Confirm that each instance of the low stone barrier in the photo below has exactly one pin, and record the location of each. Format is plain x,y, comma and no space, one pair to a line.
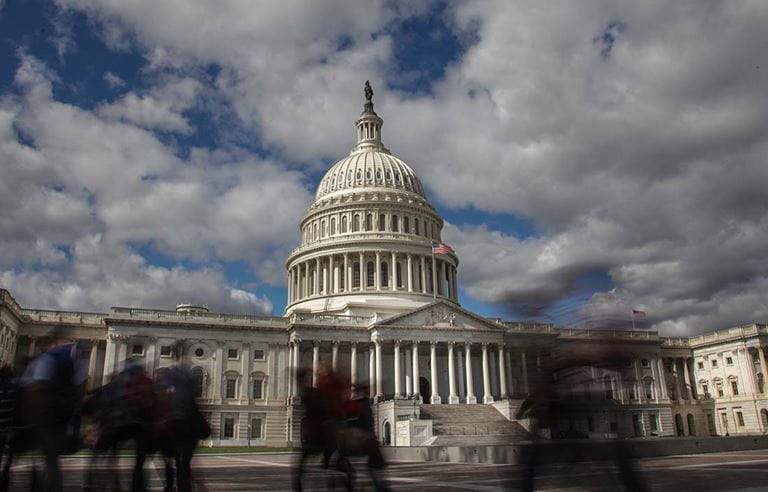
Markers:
581,450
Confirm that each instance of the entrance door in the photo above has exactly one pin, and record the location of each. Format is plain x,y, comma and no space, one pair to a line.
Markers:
424,389
679,425
711,425
637,426
724,422
691,425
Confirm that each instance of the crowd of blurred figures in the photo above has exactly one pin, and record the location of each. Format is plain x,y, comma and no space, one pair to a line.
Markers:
46,412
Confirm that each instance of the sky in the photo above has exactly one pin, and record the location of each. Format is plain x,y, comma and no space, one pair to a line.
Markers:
589,158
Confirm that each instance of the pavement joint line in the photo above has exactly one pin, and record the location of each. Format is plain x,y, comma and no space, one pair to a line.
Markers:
258,462
717,463
452,485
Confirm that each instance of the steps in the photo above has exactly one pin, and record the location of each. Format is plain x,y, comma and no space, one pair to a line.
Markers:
470,425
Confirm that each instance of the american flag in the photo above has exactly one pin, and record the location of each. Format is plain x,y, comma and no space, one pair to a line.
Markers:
441,249
638,314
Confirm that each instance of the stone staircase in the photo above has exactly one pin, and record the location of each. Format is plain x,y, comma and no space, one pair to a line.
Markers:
471,425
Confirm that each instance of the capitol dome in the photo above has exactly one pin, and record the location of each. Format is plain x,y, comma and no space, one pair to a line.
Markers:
366,241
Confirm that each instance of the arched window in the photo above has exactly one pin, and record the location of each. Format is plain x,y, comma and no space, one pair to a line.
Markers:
406,224
198,377
356,223
356,276
421,284
342,271
333,225
648,385
395,224
323,229
384,274
368,222
399,275
343,224
382,222
369,280
416,225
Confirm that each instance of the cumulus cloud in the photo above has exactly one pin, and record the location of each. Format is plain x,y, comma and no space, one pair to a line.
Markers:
81,188
631,134
161,108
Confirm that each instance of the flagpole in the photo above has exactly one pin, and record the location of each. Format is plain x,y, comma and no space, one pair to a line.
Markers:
633,321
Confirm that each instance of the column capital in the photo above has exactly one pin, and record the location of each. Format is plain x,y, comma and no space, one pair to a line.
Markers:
433,343
451,343
335,343
397,342
353,344
316,343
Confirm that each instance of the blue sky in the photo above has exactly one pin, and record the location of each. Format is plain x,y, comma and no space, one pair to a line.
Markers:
158,153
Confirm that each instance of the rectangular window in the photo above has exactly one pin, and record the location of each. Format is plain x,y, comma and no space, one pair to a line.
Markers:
720,390
258,389
591,423
614,427
701,365
258,354
735,388
714,362
705,389
645,363
230,389
740,419
165,351
256,429
232,353
632,393
654,422
729,361
137,349
229,428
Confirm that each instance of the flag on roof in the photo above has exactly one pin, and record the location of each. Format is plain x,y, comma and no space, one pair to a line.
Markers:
638,314
441,249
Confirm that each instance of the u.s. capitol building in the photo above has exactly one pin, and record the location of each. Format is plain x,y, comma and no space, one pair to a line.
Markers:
367,297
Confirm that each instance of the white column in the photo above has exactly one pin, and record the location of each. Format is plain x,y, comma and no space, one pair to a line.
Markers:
218,372
245,371
461,374
470,383
377,279
317,276
423,276
109,357
296,359
524,362
415,367
363,274
453,399
676,376
407,371
410,273
334,276
441,279
372,370
92,364
689,383
335,356
502,374
662,379
315,362
435,291
763,367
487,397
347,275
508,367
353,363
326,278
379,382
393,270
742,355
433,368
398,388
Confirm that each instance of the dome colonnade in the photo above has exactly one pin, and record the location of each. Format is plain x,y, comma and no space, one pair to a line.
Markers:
366,240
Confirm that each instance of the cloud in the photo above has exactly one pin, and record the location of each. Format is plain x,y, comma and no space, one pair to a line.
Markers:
113,80
161,108
82,190
641,155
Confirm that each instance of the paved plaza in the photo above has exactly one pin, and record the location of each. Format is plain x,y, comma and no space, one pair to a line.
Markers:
735,471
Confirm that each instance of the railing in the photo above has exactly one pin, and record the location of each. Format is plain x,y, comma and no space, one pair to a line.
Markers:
729,333
79,317
358,236
527,326
586,333
330,318
675,342
139,313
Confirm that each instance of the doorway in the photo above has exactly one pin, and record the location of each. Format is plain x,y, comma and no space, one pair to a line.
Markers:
424,389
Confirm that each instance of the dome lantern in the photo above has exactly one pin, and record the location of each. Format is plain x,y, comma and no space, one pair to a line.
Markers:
369,126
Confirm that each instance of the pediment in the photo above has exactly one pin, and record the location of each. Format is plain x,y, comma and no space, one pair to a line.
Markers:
441,314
